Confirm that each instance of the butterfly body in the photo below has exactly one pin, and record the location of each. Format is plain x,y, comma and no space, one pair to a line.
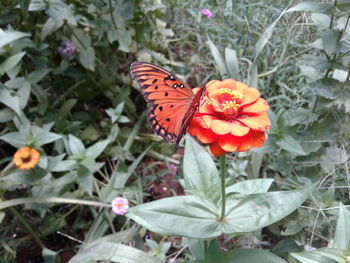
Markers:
172,101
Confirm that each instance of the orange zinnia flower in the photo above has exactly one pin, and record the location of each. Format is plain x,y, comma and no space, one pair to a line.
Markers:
26,158
232,117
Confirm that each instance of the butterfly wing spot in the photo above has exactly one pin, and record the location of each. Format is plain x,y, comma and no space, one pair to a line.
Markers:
171,100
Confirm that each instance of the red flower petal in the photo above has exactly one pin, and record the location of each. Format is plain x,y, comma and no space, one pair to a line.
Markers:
239,129
260,122
258,138
229,142
221,126
250,95
258,106
206,135
246,143
216,149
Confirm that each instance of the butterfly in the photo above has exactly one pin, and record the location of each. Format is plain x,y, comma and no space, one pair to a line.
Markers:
172,101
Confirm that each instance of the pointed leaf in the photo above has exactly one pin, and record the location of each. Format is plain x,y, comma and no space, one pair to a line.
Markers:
168,216
75,145
254,186
324,8
9,36
10,99
331,41
45,138
113,252
188,216
87,58
253,255
95,150
200,172
11,62
232,63
342,231
289,144
258,210
219,60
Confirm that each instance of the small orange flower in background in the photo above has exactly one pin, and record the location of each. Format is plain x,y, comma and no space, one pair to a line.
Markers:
26,158
232,117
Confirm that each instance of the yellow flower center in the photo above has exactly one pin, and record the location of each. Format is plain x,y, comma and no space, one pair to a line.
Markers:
25,156
229,103
234,93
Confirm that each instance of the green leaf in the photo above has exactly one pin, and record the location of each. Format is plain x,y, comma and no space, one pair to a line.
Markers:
66,165
324,8
331,41
21,90
332,157
213,253
109,251
200,173
85,179
188,216
124,39
219,60
37,5
300,116
10,63
16,139
87,58
50,26
66,108
232,63
9,36
6,114
76,146
196,247
50,256
321,20
253,186
201,217
10,99
326,87
45,138
289,144
119,178
321,256
265,37
342,231
59,10
252,212
343,5
95,150
253,256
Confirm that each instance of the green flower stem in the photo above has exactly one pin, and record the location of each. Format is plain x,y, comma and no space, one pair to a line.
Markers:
223,185
24,223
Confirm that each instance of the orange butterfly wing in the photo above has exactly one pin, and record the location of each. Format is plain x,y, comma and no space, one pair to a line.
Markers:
173,103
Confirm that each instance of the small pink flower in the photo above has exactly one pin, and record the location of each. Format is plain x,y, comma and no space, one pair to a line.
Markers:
120,205
207,13
173,169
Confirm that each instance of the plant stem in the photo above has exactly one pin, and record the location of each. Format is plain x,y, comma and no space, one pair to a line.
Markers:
26,226
223,185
